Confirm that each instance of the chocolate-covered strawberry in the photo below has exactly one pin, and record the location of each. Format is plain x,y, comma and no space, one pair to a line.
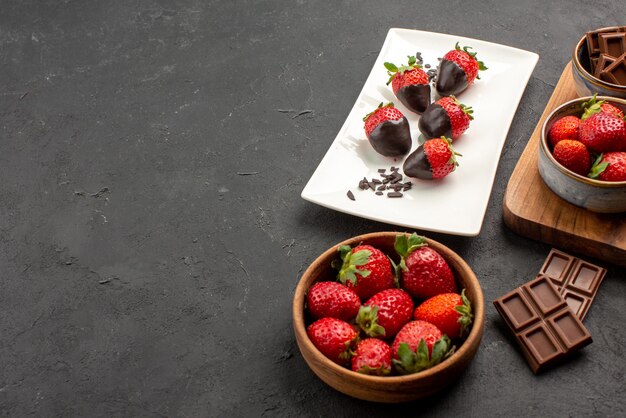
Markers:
425,273
457,71
410,84
365,269
385,313
446,117
434,159
388,131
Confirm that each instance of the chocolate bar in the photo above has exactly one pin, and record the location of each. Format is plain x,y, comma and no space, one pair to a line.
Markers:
576,280
601,64
613,44
616,72
593,44
545,328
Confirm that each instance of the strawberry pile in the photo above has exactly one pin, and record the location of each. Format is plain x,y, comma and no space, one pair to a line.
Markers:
385,318
594,144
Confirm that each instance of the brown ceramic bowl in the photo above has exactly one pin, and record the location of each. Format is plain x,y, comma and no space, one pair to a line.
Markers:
586,84
389,389
591,194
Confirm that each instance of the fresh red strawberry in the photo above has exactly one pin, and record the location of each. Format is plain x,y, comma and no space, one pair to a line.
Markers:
418,346
450,312
564,128
424,271
334,338
365,269
410,84
388,131
332,300
609,167
446,117
457,71
385,313
573,155
603,132
434,159
372,356
593,106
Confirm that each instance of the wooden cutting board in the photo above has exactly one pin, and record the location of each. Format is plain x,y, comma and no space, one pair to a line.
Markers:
531,209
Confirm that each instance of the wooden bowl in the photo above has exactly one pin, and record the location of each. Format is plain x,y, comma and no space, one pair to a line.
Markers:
391,389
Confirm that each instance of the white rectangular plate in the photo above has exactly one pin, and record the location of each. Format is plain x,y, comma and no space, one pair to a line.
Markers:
456,204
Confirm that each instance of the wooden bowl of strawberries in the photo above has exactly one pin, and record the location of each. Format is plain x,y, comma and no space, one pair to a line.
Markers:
582,153
388,317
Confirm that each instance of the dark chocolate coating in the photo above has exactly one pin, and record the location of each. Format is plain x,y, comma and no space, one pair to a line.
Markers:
417,165
416,97
451,79
435,123
391,138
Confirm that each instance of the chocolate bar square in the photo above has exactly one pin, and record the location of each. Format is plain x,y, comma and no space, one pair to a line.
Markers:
613,44
576,280
601,64
616,72
546,330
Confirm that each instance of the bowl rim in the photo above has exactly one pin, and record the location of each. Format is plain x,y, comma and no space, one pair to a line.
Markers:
474,336
583,72
546,149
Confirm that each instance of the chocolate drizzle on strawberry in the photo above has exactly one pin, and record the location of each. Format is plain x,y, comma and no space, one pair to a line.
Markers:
435,122
416,97
391,138
417,165
451,79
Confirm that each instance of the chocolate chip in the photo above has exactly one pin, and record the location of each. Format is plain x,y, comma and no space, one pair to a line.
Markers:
427,66
394,194
376,181
381,170
350,195
371,185
379,193
383,187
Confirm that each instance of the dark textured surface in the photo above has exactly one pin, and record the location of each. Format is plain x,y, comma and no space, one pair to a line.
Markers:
141,275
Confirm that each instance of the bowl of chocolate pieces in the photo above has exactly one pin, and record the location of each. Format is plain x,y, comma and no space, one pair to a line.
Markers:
599,63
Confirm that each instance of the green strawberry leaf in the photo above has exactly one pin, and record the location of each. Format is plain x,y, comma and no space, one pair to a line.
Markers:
367,319
401,245
348,264
598,167
378,371
397,272
404,246
591,107
360,257
391,67
466,317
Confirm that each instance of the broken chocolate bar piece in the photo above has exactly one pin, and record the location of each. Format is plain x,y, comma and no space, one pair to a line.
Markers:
601,64
577,280
593,45
546,330
613,44
616,72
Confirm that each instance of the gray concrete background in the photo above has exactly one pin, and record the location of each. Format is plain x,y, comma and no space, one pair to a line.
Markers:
141,276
